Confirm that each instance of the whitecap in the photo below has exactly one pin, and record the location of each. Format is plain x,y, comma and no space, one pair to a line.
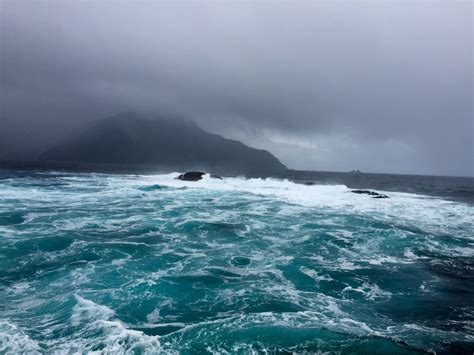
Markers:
98,325
14,341
314,274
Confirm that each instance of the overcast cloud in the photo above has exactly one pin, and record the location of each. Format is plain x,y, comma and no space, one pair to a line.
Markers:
381,86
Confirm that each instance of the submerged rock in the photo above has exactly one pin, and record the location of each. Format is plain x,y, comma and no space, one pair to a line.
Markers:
191,176
371,193
216,177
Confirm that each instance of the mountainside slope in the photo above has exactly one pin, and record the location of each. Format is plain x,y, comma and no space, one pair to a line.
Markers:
129,139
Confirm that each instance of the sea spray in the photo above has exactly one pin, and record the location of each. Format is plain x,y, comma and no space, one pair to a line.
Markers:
127,263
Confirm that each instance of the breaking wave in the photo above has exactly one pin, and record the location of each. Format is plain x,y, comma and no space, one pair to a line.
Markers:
146,264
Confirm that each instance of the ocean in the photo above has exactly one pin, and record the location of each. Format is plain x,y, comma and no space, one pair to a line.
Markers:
297,263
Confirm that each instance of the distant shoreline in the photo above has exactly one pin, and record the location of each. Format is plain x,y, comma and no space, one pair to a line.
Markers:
148,170
124,168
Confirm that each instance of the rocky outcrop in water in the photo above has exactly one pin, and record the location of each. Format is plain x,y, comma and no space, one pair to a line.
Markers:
371,193
196,176
191,176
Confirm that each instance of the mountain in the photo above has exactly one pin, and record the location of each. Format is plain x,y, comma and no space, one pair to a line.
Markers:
130,139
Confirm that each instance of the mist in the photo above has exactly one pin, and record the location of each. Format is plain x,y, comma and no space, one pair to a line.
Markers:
335,86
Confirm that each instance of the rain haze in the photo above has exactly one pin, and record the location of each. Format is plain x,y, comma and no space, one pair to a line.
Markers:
323,85
236,176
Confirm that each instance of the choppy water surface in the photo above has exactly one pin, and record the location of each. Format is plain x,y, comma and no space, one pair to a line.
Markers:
147,264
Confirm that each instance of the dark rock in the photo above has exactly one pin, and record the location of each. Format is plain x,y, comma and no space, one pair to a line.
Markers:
364,192
310,183
371,193
191,176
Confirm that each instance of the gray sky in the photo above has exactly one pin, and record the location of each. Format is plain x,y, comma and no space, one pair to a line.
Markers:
380,86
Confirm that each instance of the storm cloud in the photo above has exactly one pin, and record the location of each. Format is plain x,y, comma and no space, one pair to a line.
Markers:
378,86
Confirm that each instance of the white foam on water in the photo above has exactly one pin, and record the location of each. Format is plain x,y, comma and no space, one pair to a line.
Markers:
352,324
345,236
417,210
370,291
315,275
336,321
89,310
14,341
409,254
122,261
99,326
155,316
422,331
381,260
347,265
20,287
428,213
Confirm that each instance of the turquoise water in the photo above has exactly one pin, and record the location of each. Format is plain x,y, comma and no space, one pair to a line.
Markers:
150,264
